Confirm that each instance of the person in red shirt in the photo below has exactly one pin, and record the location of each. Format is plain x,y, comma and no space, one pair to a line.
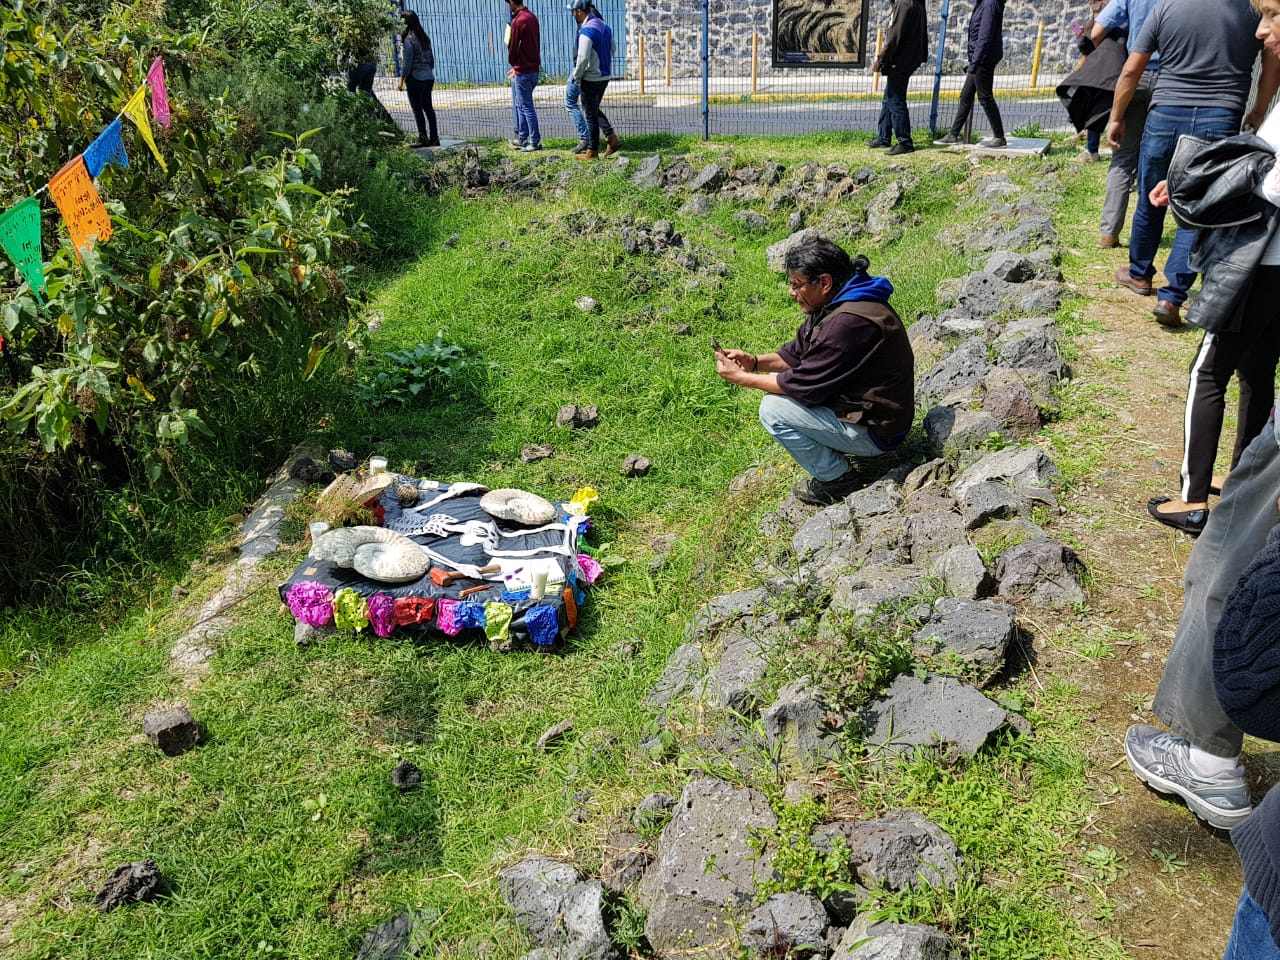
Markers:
524,53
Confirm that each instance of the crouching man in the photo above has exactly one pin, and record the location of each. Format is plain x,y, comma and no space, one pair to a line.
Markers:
845,386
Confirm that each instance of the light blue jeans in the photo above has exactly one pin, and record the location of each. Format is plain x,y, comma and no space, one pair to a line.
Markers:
571,94
815,437
1250,933
526,117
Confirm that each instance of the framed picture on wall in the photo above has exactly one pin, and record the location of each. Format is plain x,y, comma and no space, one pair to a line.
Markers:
820,33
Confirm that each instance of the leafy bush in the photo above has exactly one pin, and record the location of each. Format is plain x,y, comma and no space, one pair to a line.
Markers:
224,279
429,371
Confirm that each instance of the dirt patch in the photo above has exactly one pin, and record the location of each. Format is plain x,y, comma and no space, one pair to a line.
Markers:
1177,889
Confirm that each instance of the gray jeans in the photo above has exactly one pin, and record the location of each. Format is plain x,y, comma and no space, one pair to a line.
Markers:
1236,531
1124,162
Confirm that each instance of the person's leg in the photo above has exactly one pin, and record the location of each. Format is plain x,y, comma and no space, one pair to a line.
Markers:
964,106
517,116
571,94
1124,162
592,92
816,439
1250,933
528,82
1209,124
884,123
1237,529
1164,126
365,72
984,79
1257,361
895,92
433,137
1211,371
1093,140
417,90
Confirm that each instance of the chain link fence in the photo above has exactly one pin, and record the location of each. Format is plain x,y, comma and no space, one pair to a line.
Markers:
708,68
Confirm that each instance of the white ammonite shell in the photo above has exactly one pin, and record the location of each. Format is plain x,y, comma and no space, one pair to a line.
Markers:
521,506
392,562
338,546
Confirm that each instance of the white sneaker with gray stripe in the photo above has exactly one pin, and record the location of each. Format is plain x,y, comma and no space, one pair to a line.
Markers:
1162,761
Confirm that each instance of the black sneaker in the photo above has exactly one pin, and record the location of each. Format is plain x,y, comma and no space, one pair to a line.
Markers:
901,147
993,143
876,143
948,140
823,493
581,147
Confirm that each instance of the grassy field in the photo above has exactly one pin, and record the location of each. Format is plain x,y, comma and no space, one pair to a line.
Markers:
282,835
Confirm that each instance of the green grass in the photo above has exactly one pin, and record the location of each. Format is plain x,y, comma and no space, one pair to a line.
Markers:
259,863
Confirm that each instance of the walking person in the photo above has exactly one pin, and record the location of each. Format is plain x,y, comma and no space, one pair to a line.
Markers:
906,46
1118,21
1086,93
1206,67
1218,186
984,52
572,106
592,70
1199,760
524,53
418,75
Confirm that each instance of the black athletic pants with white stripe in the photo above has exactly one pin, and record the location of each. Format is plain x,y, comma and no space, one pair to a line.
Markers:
1252,353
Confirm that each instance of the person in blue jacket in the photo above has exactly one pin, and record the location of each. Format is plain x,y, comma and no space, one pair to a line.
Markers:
845,386
985,51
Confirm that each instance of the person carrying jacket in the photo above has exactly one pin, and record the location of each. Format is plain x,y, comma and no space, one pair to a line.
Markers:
845,384
984,52
524,53
906,46
592,69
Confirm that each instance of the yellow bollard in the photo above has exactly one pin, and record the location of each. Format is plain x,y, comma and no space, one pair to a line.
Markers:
1035,62
642,65
875,76
755,60
668,58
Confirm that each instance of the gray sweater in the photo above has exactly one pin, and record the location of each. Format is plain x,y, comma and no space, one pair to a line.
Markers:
417,61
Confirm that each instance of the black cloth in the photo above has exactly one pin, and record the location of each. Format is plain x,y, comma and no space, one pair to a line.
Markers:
461,508
1246,675
1088,91
906,43
855,358
1246,653
1211,190
986,35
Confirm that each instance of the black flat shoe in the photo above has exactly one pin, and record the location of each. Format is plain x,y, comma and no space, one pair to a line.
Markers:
1188,521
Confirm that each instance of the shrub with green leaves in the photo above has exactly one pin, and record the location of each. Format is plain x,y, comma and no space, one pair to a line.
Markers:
428,371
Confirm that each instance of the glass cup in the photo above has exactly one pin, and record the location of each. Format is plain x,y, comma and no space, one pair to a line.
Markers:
377,465
317,527
539,578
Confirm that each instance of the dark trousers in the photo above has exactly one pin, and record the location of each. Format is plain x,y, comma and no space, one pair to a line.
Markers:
981,81
1252,353
592,94
360,77
424,115
894,116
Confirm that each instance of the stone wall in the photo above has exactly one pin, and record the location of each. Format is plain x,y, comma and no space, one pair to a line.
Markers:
732,23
